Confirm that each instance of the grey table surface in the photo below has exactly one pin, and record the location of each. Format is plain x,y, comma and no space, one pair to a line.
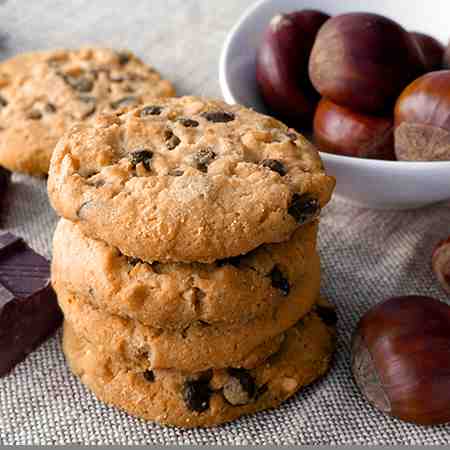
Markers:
366,255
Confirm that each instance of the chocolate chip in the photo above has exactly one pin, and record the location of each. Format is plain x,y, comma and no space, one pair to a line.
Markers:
188,123
123,57
275,165
151,111
149,376
172,141
34,114
132,261
241,389
203,158
81,84
279,282
233,261
50,108
327,315
141,156
3,102
124,101
196,395
304,208
218,116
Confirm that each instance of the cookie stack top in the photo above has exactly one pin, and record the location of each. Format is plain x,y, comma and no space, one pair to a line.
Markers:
187,180
42,94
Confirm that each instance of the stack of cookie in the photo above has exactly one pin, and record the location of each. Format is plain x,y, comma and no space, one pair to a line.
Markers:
186,262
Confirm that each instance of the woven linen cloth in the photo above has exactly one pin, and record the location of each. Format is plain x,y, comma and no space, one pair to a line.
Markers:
367,255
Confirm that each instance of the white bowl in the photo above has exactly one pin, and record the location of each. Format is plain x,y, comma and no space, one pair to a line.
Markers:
370,183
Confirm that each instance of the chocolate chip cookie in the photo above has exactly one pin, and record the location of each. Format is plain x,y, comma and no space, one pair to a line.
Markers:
200,345
232,291
211,397
187,180
42,94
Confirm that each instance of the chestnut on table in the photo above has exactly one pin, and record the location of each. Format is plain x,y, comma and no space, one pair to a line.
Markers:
401,359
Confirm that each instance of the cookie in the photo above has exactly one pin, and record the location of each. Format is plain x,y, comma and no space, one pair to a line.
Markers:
178,294
187,180
200,345
213,397
42,94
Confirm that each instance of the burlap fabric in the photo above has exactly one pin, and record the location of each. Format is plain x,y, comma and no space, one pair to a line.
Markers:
367,255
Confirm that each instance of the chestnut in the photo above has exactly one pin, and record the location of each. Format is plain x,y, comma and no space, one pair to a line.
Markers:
364,61
431,49
441,263
342,131
401,359
422,119
282,66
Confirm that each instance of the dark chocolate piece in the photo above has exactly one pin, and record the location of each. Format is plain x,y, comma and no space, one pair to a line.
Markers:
29,312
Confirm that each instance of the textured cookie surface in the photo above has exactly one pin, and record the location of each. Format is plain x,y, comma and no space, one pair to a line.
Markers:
200,345
178,294
187,180
43,94
213,397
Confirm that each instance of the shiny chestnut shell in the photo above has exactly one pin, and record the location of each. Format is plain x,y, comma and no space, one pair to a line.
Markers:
364,61
345,132
401,359
431,49
422,119
282,66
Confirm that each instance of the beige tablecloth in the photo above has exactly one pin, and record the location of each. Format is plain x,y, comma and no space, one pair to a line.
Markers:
367,255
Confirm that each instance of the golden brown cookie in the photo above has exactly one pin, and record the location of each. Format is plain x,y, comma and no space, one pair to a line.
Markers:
175,295
200,345
42,94
187,180
213,397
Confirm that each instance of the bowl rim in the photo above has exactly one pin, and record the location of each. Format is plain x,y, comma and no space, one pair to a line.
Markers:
227,93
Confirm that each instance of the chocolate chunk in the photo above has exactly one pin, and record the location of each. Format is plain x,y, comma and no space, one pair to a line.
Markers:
203,158
327,315
149,376
188,123
3,102
172,141
29,312
241,388
279,282
124,101
141,156
275,165
196,394
304,208
233,261
151,111
132,261
34,114
218,116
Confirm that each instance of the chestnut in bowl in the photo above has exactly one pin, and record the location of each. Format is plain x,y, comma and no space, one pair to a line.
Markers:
401,359
422,119
342,131
282,66
364,61
432,51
